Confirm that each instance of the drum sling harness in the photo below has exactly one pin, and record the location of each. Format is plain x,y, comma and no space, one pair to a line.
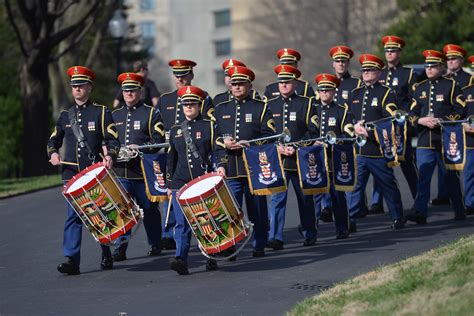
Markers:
79,135
191,146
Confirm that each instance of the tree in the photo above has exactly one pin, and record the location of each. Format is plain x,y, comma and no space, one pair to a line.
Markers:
430,24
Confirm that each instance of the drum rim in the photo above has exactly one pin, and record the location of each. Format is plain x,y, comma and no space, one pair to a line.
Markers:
89,184
206,194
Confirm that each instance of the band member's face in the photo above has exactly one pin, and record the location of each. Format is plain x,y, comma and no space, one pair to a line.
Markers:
191,110
370,75
81,92
393,56
131,97
340,66
454,64
185,80
287,88
433,71
227,82
326,96
241,90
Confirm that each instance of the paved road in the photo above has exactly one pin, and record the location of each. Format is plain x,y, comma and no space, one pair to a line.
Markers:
30,248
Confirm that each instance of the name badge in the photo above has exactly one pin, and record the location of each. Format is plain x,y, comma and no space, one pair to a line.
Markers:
248,118
292,116
136,125
224,117
439,97
375,102
356,101
91,126
275,93
170,107
332,121
276,114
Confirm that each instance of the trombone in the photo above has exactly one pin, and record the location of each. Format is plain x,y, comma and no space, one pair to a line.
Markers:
400,116
332,139
127,153
283,137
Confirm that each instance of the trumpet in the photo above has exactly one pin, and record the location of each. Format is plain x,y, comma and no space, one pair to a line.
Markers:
127,153
400,116
283,137
469,120
332,139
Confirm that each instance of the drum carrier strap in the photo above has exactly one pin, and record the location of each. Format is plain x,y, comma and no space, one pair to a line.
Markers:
78,134
192,147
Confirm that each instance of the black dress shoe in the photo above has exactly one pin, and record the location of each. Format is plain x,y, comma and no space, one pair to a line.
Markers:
168,244
275,244
179,265
119,254
69,267
211,265
440,201
154,251
310,241
342,234
470,211
352,227
398,224
460,216
416,217
106,263
376,209
326,215
258,253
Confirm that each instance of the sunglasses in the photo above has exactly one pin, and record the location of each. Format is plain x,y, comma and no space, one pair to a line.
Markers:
431,66
369,70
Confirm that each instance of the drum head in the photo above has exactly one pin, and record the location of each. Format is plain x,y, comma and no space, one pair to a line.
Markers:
85,179
199,188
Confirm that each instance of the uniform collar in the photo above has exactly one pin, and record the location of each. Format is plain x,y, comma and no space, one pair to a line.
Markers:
327,106
371,86
291,97
134,107
83,106
394,67
347,75
244,100
197,118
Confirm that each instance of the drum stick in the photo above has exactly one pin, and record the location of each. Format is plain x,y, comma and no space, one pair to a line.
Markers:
68,163
168,212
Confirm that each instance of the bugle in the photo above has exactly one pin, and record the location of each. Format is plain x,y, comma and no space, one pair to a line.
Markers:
128,153
332,139
469,120
283,137
400,116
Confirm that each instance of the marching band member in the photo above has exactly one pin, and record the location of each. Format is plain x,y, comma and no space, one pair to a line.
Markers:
400,79
338,119
468,92
434,99
455,55
289,56
191,145
170,109
137,124
371,102
295,113
96,125
244,118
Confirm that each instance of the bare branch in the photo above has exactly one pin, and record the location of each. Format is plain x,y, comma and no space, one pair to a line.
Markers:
11,18
61,12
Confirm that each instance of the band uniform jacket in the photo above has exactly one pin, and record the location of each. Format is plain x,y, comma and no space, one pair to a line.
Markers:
227,96
441,98
296,113
400,79
182,166
140,125
348,83
172,113
96,124
371,103
303,88
243,120
462,78
469,96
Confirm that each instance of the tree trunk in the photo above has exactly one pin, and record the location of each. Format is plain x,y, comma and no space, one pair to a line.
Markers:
34,94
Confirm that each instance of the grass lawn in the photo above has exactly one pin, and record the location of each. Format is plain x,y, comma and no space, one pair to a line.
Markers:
22,185
438,282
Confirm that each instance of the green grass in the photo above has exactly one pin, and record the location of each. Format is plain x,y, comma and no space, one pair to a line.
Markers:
10,187
439,282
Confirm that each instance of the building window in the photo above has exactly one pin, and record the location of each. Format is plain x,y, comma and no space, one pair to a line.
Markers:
222,47
147,30
219,76
222,18
147,5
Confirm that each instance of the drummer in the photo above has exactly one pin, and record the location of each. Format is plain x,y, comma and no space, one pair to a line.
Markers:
95,122
189,157
137,124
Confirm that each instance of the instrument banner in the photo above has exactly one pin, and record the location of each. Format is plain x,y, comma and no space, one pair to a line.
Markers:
264,169
385,135
154,170
400,138
313,169
345,166
454,146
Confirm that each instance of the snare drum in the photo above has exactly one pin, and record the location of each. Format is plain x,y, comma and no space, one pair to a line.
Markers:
102,203
213,214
